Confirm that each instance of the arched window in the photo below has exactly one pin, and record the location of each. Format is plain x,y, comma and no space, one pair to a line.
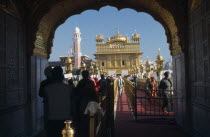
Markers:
102,63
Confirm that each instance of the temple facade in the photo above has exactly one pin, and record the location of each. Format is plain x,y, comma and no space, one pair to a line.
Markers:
118,54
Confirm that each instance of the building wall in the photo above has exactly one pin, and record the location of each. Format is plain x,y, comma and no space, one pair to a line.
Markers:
115,61
13,89
199,64
35,106
21,109
179,87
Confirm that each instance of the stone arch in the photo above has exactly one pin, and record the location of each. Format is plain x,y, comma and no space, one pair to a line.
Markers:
50,19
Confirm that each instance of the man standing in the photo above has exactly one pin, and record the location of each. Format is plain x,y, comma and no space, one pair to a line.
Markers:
102,84
59,103
120,85
43,84
85,92
165,85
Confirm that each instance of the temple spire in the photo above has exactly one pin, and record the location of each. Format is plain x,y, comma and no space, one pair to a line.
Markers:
117,32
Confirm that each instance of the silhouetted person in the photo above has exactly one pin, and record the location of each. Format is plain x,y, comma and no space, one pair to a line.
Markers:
48,80
149,87
165,85
102,84
58,98
43,84
86,93
108,80
71,83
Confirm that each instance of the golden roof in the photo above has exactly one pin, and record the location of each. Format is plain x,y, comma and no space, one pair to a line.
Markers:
135,36
99,38
159,56
96,68
83,64
91,67
69,59
148,62
118,38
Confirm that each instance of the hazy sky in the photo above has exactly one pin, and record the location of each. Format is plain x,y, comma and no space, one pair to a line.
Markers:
105,21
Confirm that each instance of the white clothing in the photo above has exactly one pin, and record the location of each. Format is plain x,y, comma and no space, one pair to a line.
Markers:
93,107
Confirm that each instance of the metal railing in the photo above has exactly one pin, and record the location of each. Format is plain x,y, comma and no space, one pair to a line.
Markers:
154,102
101,122
148,102
130,91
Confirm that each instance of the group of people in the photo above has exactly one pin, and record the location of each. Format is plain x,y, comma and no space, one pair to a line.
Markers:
162,90
68,102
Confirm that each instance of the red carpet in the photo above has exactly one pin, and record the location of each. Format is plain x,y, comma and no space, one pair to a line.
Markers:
126,126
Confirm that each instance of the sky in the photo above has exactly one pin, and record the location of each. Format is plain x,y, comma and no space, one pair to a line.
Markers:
106,21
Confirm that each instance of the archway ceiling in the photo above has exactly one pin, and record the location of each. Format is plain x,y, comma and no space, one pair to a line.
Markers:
49,14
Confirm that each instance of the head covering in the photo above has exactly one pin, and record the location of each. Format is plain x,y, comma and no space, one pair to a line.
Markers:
102,76
85,74
166,73
48,71
58,73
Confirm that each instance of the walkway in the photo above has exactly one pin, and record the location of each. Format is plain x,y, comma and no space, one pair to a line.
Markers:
126,126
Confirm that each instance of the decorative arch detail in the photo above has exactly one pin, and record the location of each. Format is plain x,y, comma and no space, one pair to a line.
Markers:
47,22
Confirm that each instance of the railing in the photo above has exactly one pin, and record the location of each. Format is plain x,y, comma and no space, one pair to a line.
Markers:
148,102
115,96
130,91
101,123
151,102
140,82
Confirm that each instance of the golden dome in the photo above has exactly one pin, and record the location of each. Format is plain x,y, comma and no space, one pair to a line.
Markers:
135,37
118,37
147,62
99,38
91,67
96,68
159,56
83,64
69,60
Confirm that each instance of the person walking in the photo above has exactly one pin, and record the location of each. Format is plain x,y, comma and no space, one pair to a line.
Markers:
165,85
121,86
102,84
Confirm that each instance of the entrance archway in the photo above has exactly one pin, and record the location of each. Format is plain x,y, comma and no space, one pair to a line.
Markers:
27,29
47,21
166,13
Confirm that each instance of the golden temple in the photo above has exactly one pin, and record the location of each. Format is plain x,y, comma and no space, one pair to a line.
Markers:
118,54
